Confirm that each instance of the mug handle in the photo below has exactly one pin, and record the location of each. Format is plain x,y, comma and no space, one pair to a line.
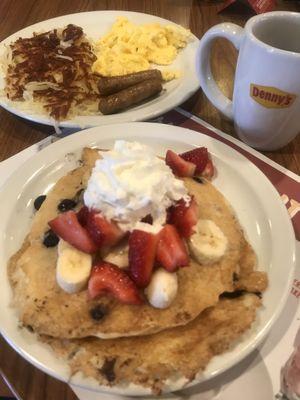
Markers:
234,34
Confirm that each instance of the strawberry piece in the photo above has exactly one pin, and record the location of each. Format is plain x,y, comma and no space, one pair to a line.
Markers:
178,165
184,217
82,215
67,227
108,278
198,156
102,231
171,252
141,255
209,170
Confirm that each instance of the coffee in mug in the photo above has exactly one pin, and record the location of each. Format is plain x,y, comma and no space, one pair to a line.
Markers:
266,97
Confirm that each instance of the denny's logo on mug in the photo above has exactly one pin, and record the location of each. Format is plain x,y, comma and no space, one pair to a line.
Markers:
271,97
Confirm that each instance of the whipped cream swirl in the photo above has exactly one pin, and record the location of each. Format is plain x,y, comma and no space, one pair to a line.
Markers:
130,182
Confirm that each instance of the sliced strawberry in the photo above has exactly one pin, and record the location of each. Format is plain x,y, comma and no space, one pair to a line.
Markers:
82,215
108,278
178,165
171,252
142,249
184,217
67,227
102,231
209,170
198,156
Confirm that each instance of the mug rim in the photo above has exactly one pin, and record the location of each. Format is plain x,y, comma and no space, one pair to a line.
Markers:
277,14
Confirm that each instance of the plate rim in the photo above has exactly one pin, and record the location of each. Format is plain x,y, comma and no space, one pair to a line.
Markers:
88,137
190,82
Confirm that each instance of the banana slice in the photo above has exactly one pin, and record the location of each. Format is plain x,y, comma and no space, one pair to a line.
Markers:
208,244
73,268
63,245
118,256
162,288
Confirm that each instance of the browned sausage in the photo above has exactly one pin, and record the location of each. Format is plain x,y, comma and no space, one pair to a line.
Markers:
110,85
130,96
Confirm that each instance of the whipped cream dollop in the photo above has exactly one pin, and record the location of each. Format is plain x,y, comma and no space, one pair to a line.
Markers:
130,182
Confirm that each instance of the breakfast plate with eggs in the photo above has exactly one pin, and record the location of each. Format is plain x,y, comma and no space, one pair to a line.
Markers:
141,258
94,68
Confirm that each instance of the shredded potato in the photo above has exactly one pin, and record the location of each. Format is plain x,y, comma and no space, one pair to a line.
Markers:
52,72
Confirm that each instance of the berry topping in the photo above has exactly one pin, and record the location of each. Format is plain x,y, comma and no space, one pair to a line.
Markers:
147,219
171,252
198,156
209,170
102,231
198,179
66,205
184,216
108,278
67,227
178,165
50,239
39,201
98,312
82,215
141,255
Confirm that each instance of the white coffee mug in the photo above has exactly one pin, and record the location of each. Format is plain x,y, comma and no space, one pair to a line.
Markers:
266,96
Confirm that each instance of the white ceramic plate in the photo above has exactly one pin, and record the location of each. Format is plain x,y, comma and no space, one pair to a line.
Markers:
96,24
256,202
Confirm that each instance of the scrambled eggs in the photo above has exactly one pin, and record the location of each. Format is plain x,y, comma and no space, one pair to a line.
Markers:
129,48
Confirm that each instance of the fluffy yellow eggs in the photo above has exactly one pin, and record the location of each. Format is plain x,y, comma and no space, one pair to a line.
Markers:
129,48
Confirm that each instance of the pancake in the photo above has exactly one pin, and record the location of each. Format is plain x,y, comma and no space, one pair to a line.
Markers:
149,361
48,310
247,278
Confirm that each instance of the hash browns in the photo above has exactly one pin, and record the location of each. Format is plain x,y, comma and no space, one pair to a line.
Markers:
53,68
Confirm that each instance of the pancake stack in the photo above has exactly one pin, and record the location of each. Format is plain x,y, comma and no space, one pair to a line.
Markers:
139,344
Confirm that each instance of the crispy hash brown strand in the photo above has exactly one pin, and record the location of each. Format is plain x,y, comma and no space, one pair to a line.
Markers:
150,360
53,68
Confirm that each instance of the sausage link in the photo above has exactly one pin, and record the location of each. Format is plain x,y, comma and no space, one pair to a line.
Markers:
130,96
110,85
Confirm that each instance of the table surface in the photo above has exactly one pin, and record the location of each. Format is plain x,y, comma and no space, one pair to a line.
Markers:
16,134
